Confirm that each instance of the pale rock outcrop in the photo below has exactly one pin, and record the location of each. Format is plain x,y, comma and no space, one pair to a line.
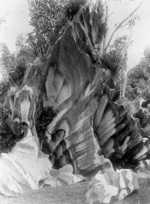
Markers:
108,184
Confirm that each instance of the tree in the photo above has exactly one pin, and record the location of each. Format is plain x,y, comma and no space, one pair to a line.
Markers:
7,59
25,51
13,65
128,22
48,17
138,79
116,61
45,15
115,52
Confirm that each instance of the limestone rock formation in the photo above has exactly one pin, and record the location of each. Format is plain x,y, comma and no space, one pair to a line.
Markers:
108,185
89,120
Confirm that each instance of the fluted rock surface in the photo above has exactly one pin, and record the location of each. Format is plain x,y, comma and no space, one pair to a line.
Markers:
89,119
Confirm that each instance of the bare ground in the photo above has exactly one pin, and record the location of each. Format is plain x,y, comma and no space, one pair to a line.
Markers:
74,194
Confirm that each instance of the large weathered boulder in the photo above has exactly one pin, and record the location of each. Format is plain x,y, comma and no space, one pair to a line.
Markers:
89,119
108,184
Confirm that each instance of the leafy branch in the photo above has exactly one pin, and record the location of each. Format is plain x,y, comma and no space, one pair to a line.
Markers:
120,24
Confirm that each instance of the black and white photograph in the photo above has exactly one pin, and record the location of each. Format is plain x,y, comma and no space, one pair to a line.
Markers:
74,101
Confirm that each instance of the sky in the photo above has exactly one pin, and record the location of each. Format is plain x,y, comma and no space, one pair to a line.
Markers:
119,9
17,22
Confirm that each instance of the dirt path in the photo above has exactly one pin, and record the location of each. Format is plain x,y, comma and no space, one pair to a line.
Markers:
74,195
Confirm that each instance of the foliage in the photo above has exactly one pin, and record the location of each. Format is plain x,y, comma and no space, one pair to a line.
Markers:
25,53
12,66
16,75
4,86
48,17
127,22
7,138
115,53
7,59
115,60
45,15
138,80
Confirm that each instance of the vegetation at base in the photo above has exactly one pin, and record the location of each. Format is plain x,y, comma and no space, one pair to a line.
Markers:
7,137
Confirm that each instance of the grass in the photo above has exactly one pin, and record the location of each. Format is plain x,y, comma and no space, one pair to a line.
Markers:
75,194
